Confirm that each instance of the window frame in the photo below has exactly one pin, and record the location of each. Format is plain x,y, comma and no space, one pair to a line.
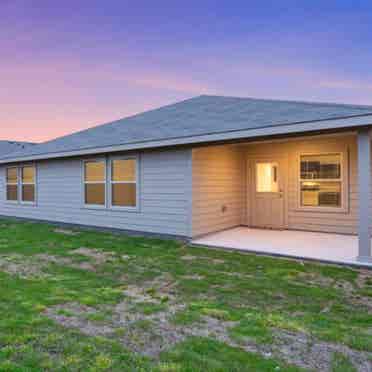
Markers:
21,183
16,167
343,208
110,182
19,200
96,160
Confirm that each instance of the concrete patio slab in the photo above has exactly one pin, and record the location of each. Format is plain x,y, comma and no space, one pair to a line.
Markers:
325,247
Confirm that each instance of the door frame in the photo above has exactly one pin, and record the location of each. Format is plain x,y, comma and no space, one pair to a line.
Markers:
251,159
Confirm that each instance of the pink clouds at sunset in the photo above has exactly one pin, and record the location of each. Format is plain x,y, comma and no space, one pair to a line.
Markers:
68,67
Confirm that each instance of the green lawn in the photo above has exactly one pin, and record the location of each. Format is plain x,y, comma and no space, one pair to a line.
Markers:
74,300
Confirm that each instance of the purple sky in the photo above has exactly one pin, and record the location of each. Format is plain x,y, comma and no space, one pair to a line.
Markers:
69,65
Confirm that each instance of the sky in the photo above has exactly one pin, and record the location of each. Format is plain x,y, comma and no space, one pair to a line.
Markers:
69,65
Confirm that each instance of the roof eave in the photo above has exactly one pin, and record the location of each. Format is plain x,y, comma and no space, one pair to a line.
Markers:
214,137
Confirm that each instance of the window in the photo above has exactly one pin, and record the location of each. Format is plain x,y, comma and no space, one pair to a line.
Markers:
124,182
267,177
12,184
95,182
321,180
21,184
28,184
120,185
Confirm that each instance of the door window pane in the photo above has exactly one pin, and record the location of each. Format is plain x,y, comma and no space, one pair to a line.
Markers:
321,194
267,177
327,166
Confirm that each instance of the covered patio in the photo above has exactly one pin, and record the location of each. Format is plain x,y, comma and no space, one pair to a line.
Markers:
305,197
326,247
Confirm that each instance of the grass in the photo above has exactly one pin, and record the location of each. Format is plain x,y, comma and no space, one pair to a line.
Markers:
340,363
258,295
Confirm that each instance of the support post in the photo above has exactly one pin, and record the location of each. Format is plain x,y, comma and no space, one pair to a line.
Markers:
364,181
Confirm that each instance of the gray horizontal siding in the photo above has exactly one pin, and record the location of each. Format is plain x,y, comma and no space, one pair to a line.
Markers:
164,192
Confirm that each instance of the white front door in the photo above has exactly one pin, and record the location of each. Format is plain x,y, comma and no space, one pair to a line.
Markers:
267,193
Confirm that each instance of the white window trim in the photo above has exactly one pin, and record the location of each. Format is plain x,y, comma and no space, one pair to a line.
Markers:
136,182
97,160
343,179
12,183
21,183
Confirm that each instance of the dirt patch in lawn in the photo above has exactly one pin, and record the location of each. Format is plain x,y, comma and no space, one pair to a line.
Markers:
145,333
188,257
53,259
34,266
363,282
307,352
316,279
215,261
73,315
65,261
350,290
364,278
150,334
162,289
25,267
66,231
99,257
193,277
144,323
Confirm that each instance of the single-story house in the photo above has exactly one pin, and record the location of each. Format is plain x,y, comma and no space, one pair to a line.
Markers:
205,165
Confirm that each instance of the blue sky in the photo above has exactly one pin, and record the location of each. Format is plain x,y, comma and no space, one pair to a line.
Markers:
69,65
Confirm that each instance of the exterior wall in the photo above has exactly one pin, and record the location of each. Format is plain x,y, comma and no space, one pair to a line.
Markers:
218,180
164,195
190,192
337,222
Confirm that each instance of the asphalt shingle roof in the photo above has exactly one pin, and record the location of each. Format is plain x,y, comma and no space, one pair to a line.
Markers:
197,116
8,147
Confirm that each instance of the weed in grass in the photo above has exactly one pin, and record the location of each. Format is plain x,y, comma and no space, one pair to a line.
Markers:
253,326
186,317
216,313
148,308
340,363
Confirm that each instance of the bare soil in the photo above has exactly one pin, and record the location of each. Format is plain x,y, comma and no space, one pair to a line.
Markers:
65,231
150,334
